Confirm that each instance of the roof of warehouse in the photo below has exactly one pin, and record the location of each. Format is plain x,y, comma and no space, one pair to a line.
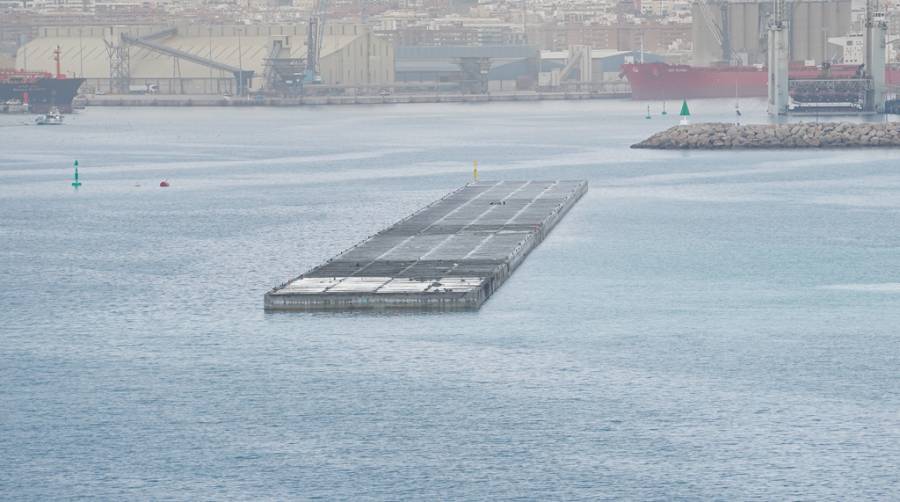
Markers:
88,56
466,51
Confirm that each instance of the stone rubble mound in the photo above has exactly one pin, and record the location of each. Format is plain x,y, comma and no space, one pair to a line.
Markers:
723,136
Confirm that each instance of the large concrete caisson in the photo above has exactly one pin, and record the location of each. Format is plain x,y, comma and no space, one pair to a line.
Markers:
452,254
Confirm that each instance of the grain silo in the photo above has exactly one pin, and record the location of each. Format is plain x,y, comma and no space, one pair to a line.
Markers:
735,30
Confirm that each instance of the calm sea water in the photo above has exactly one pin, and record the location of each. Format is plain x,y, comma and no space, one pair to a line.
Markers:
701,325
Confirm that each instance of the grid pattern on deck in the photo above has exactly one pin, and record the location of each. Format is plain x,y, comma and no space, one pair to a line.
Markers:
452,245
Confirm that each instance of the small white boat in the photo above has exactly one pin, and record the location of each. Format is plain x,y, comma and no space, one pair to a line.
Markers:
52,117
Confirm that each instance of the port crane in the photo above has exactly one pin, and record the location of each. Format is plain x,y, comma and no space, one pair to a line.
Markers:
875,61
778,60
719,31
315,31
865,92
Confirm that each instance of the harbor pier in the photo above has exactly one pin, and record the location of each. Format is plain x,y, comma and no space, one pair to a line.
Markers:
177,100
451,255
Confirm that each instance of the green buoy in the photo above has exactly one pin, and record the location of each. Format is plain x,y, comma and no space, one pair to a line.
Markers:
648,112
76,183
664,112
685,112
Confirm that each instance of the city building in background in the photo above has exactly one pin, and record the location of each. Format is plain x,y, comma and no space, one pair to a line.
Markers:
233,46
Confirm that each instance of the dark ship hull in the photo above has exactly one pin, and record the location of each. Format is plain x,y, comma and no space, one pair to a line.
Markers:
41,94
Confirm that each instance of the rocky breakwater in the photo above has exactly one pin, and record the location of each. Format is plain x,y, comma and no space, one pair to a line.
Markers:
721,136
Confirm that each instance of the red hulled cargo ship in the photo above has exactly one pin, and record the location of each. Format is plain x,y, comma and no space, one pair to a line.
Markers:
665,81
41,91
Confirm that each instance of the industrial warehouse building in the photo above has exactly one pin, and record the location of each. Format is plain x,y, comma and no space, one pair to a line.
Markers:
506,67
606,65
349,55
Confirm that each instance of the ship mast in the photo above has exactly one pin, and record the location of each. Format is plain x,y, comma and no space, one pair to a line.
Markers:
56,57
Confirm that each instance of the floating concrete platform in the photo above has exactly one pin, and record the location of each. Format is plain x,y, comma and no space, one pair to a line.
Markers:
452,254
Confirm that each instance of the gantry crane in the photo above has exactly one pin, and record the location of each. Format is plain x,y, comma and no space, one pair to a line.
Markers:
720,31
314,33
876,34
778,66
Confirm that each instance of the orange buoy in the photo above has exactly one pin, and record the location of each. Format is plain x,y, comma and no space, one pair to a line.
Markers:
164,183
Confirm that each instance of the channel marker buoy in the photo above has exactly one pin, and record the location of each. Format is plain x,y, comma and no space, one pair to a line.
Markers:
75,182
685,113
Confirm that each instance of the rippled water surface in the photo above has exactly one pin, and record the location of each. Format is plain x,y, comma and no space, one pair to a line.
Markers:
701,325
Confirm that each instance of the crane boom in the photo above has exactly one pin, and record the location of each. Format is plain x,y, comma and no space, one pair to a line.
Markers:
778,18
718,31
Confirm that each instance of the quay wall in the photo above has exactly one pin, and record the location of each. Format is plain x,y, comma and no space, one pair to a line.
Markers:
209,100
724,136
